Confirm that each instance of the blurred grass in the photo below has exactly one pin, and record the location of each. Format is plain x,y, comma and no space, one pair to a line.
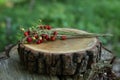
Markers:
90,15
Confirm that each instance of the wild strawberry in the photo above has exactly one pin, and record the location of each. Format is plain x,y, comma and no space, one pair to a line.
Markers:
36,36
48,27
33,38
45,27
63,37
22,29
43,35
29,39
52,38
46,37
55,33
26,33
39,41
41,27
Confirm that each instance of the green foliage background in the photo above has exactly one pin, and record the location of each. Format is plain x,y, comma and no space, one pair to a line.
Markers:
97,16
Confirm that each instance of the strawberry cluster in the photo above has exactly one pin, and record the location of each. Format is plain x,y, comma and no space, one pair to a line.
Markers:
41,34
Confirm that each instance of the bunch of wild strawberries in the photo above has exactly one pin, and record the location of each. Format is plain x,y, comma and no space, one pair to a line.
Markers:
41,34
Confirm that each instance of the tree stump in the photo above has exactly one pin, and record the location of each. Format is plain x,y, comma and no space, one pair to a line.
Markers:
11,69
61,57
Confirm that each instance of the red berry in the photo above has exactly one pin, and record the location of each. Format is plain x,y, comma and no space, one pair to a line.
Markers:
43,35
39,41
26,33
45,27
29,39
52,38
55,33
46,37
48,27
36,36
41,27
63,37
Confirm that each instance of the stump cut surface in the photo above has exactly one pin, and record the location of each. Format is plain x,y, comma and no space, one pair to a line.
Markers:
65,46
